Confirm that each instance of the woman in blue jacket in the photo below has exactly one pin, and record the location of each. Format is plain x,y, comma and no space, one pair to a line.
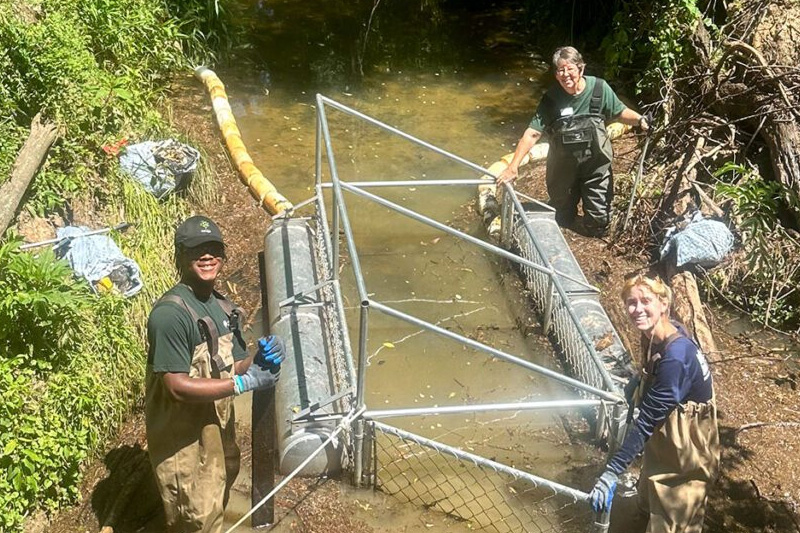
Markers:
677,423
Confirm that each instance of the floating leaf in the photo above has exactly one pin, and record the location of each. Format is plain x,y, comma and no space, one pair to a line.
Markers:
388,345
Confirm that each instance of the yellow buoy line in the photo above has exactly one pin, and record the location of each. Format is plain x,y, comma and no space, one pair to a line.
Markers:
260,187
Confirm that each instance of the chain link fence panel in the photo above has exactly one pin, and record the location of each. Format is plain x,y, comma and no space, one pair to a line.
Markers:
482,494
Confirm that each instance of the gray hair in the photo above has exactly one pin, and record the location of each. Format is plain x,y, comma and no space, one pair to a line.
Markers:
569,54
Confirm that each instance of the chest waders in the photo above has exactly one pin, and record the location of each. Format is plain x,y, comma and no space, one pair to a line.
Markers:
579,166
192,446
680,461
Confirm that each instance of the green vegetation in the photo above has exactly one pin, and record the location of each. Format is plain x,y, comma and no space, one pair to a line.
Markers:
71,362
763,278
67,376
653,34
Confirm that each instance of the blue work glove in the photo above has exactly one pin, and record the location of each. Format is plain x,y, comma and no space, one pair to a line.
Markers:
603,492
256,377
271,352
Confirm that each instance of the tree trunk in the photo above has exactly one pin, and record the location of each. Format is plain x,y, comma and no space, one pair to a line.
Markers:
687,307
28,162
765,104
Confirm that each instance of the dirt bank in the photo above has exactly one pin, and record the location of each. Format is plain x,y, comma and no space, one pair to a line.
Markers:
757,391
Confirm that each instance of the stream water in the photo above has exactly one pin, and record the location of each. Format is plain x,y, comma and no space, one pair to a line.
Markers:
462,80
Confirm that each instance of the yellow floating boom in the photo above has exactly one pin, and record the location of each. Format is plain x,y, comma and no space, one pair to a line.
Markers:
260,187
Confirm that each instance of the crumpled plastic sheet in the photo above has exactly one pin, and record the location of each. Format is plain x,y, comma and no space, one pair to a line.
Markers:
95,257
160,166
703,242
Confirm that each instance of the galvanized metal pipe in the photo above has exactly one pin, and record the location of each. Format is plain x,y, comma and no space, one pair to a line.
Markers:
482,408
575,494
548,306
497,353
358,451
363,334
339,201
318,152
412,183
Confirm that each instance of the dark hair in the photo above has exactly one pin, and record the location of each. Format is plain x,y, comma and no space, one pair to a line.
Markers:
569,54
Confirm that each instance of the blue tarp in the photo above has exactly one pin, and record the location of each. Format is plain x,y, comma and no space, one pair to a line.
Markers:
703,241
95,257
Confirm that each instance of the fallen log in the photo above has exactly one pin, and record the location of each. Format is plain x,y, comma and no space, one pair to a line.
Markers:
687,306
27,164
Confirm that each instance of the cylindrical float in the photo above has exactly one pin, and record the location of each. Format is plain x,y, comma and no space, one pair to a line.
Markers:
306,375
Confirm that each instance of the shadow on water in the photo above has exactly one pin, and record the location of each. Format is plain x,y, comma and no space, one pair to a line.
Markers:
343,42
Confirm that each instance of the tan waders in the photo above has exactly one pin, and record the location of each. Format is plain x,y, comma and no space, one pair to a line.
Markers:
192,446
681,459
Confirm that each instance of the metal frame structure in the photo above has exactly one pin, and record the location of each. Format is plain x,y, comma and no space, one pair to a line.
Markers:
512,209
604,395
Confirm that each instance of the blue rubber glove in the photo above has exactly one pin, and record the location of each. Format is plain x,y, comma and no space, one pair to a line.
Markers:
603,492
256,377
271,352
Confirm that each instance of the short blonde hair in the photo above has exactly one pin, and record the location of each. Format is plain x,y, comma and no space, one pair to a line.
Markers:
654,284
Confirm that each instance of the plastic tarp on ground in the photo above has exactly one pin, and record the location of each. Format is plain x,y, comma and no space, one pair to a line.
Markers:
98,259
703,241
160,166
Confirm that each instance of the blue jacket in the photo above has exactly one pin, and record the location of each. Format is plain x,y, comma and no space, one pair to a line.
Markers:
679,375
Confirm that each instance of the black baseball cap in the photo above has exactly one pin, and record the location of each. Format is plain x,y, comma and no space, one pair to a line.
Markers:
197,230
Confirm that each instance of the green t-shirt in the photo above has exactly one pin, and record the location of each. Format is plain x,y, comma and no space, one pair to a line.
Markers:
557,102
172,335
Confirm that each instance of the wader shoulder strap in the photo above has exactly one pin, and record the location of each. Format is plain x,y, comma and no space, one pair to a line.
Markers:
236,314
596,103
649,368
652,363
208,329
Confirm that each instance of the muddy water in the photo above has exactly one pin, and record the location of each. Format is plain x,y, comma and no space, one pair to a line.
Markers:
462,82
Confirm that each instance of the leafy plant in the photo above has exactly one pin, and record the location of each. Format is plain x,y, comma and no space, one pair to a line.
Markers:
71,363
67,367
764,276
656,34
44,303
207,28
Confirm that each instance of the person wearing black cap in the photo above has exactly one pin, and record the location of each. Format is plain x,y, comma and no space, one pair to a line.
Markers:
196,362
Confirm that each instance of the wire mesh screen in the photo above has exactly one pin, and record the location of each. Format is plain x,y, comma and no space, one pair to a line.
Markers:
340,356
573,344
477,492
